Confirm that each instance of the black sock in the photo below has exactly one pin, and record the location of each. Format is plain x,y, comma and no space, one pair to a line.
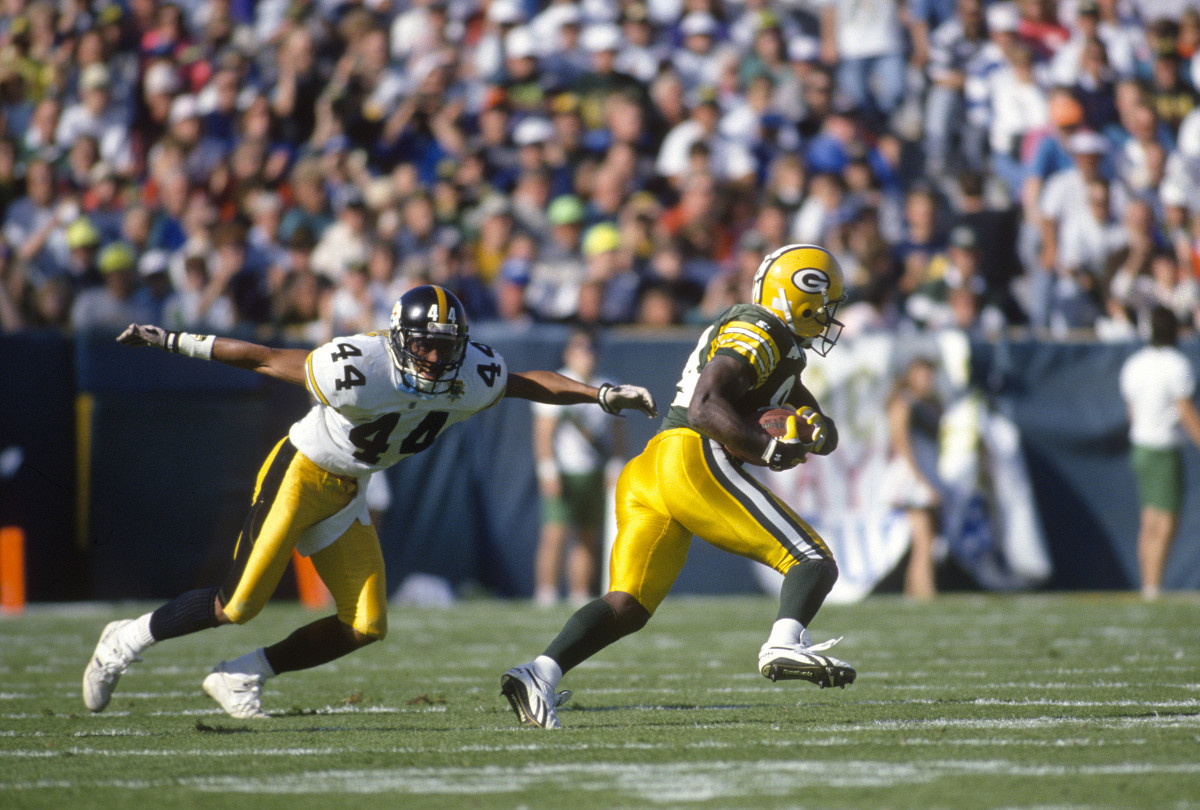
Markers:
805,586
187,613
592,628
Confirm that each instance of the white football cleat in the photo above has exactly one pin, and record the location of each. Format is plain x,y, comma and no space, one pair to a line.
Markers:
239,694
531,698
109,662
802,662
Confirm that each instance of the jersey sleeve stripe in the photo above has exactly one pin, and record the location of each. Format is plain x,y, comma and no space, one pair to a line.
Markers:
311,379
750,343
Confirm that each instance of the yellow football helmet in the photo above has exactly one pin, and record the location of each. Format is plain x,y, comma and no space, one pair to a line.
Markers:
803,285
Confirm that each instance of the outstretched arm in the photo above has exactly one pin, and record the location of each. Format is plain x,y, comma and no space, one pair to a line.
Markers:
554,388
282,364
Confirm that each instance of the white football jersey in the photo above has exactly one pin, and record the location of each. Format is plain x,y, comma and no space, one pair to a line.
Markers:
366,419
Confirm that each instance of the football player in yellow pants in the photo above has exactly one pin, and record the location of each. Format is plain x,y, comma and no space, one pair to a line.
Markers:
690,480
378,398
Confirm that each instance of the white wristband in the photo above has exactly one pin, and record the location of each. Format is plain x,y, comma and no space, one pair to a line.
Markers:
198,346
547,470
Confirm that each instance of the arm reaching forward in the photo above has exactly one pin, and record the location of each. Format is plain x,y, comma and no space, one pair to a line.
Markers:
282,364
554,388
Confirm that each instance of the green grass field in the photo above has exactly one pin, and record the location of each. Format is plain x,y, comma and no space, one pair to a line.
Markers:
1036,701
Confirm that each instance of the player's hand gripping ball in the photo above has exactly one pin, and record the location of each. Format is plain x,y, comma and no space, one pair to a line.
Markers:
794,434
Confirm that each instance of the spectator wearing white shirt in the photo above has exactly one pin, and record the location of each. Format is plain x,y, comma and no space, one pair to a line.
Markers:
1019,106
97,116
954,46
700,60
866,41
1089,238
1066,192
641,54
1157,384
728,160
1087,241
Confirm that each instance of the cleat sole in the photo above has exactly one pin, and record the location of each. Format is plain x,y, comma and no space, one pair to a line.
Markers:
822,676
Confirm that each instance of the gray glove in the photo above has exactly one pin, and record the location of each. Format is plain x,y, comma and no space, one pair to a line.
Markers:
137,334
616,398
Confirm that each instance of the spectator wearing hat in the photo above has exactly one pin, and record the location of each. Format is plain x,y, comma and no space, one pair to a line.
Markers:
185,132
112,304
104,201
602,78
525,86
421,28
641,53
83,243
704,52
610,267
557,274
767,55
501,17
1066,191
155,289
565,56
152,110
534,138
97,116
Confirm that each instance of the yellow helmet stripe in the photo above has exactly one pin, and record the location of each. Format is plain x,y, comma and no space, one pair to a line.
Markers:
443,305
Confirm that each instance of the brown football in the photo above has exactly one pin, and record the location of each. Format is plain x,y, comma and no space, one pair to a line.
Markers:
774,421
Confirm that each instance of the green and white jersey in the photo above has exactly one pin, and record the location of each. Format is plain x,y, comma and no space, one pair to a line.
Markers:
366,418
757,338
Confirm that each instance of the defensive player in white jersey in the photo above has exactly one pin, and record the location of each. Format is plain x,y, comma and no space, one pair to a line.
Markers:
379,397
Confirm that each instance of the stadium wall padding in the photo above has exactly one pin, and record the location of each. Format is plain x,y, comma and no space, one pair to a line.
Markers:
173,445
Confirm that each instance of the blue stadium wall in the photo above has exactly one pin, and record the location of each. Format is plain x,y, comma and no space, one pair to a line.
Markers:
137,466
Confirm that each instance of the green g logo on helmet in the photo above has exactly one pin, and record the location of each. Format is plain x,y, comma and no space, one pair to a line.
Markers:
803,286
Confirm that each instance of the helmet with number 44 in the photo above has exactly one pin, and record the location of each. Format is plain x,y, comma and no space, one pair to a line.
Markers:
428,338
803,285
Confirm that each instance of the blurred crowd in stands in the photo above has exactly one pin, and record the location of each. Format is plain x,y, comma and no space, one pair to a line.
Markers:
291,166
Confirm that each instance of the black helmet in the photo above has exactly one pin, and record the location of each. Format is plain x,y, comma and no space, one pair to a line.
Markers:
425,319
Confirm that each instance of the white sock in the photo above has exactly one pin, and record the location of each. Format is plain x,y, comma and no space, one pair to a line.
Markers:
786,632
137,635
252,663
548,670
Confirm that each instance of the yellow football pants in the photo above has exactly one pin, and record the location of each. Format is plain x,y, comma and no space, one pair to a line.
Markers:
682,485
292,494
